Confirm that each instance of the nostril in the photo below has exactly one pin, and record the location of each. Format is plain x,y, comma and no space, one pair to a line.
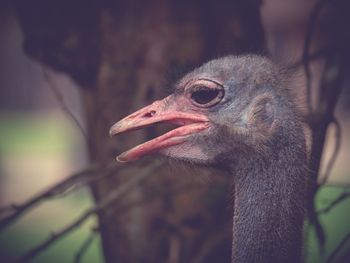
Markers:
149,114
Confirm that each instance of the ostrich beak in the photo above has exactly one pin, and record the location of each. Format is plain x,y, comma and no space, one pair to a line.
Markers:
158,112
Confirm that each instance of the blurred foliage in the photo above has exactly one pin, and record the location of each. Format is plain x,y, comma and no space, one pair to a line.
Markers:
22,132
30,135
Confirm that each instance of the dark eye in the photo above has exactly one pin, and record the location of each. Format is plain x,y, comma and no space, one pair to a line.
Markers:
207,97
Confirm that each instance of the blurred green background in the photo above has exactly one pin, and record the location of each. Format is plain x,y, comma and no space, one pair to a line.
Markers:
37,149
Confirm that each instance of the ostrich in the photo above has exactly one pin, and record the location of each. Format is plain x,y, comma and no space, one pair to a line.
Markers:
235,114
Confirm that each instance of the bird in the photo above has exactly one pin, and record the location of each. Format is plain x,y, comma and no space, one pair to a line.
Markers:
238,114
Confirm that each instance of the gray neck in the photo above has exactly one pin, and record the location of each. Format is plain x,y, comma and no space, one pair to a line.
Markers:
269,206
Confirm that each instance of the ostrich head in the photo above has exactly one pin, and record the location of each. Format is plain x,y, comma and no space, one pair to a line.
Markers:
225,108
233,113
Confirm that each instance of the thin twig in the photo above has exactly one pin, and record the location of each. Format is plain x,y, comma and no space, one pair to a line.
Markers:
319,54
345,257
85,246
60,187
68,184
335,152
158,192
317,147
306,55
217,237
336,184
106,202
61,101
7,208
343,196
330,90
338,248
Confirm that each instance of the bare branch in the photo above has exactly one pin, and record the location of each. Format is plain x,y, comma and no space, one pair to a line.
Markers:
330,89
319,54
317,135
343,196
61,101
14,211
85,246
60,187
337,184
306,50
335,152
345,257
338,248
156,192
107,201
216,238
7,208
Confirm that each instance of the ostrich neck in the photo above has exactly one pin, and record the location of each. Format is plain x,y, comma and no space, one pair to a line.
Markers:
269,206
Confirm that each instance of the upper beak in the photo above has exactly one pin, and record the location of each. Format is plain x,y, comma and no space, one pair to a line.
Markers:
157,112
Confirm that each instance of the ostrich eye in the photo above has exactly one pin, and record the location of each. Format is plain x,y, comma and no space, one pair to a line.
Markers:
206,97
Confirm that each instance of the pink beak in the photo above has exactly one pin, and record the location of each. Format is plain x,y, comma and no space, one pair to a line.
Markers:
157,112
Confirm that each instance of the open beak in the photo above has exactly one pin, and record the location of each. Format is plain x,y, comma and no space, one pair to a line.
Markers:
158,112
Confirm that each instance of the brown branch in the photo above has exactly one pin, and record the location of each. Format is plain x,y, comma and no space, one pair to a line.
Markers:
336,184
319,54
345,257
14,211
335,153
60,100
331,86
342,197
319,122
85,246
338,248
317,135
60,187
7,209
154,193
216,238
104,203
306,50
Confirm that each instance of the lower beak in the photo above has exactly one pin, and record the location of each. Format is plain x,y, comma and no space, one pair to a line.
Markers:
157,112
